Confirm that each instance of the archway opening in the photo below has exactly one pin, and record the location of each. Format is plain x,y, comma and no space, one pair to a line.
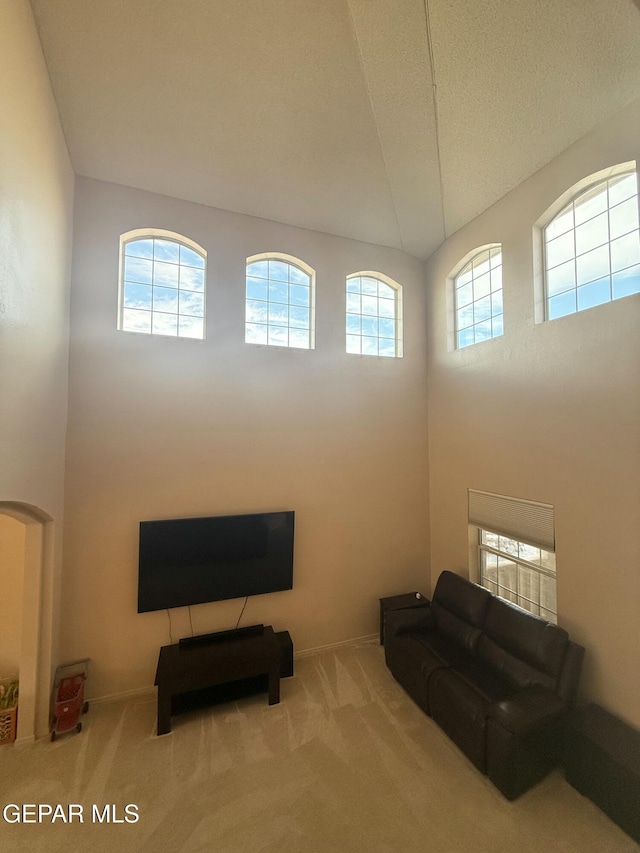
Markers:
25,559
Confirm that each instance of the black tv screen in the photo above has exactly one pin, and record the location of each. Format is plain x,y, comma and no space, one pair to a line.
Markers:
186,561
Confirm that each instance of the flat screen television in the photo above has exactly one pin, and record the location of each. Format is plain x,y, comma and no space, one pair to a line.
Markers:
186,561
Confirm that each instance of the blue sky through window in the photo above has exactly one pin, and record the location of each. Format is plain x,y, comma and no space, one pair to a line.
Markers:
478,298
592,248
163,288
279,304
372,316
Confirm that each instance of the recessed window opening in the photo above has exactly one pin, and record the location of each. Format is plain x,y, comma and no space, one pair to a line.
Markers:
592,247
516,550
478,298
280,298
374,315
162,285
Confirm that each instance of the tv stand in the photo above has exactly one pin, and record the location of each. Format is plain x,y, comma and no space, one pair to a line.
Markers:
220,636
183,668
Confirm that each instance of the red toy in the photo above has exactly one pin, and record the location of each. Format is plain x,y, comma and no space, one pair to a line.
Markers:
68,697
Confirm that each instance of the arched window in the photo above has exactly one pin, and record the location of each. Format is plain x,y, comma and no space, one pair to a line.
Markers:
592,245
374,315
279,302
478,297
162,284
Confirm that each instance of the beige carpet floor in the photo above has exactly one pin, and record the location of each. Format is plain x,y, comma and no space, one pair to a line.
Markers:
346,762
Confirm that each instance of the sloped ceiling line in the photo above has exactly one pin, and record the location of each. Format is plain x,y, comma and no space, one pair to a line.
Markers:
434,90
391,38
328,115
375,121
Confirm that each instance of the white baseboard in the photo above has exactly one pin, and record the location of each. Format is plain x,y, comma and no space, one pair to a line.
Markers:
150,692
306,652
136,693
27,740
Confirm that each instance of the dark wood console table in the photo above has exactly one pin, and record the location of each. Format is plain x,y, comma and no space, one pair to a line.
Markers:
182,669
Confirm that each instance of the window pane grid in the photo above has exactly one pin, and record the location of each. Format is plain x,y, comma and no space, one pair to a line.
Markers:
278,304
371,317
163,282
521,573
130,252
592,248
478,298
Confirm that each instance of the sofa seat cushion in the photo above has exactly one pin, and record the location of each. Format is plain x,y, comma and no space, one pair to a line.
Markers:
526,710
458,704
424,652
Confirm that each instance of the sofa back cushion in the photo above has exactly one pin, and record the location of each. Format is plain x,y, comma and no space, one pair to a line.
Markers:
522,648
459,608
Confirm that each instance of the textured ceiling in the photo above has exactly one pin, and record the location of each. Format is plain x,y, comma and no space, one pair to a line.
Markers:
390,121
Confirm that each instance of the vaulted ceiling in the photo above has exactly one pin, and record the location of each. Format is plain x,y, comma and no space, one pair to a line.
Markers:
389,121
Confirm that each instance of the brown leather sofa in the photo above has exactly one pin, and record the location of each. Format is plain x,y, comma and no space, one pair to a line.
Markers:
498,680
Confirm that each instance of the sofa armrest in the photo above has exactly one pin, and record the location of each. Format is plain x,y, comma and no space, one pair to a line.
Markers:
407,620
526,710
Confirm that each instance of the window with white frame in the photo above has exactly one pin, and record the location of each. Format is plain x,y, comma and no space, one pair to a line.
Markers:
592,247
162,284
374,315
516,550
279,308
478,297
523,574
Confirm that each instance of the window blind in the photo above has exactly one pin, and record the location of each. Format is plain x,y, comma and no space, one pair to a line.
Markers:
526,521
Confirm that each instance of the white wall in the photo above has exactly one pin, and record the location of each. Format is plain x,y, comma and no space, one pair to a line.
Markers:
36,201
549,412
162,428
